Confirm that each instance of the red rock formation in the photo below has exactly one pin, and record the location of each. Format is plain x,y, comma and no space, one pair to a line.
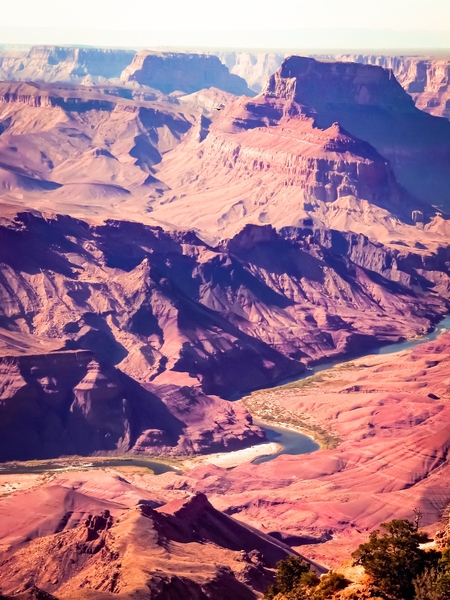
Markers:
160,304
66,403
283,157
426,79
390,413
183,549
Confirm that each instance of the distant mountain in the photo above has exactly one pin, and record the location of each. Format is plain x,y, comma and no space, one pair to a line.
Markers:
164,71
170,72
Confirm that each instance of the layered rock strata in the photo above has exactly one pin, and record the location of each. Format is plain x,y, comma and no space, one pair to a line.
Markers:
167,307
390,415
60,63
67,403
188,73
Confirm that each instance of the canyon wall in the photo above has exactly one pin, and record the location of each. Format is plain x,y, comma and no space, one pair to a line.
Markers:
426,79
60,63
69,403
171,71
165,71
167,307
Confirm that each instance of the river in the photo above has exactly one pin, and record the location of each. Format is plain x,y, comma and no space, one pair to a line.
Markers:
291,442
60,465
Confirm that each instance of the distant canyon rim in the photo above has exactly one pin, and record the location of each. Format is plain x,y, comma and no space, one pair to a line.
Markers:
179,230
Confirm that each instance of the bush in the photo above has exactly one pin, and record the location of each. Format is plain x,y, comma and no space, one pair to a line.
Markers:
434,582
289,573
393,558
329,584
425,585
297,581
292,572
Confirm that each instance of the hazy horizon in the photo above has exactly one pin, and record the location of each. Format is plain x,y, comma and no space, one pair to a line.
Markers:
269,39
321,24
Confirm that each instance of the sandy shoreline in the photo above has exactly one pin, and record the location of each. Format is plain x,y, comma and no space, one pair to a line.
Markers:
228,460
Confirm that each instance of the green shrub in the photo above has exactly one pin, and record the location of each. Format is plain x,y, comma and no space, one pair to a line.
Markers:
329,584
297,581
289,573
393,558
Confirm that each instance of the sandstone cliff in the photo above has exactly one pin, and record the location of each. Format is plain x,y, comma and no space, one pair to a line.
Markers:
183,549
314,144
170,71
426,79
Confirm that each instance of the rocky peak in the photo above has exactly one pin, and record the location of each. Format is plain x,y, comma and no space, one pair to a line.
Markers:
95,524
315,83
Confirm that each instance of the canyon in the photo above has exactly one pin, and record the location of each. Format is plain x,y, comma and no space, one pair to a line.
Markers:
425,78
175,253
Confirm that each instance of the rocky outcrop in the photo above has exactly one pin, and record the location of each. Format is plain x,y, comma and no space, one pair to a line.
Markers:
314,144
67,403
143,554
390,414
426,79
170,72
365,99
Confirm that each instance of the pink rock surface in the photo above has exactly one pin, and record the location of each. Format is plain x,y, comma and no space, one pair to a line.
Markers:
391,414
185,548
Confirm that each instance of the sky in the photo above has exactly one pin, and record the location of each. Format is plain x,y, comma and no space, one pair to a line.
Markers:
234,21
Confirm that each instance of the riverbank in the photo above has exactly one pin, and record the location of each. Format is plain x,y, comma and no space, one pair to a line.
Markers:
391,412
266,409
228,460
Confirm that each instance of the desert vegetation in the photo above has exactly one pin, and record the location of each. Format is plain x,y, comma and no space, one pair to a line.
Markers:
396,566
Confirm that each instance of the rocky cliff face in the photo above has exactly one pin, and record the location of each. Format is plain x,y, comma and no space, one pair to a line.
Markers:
168,307
188,73
59,63
427,80
367,100
314,144
68,403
